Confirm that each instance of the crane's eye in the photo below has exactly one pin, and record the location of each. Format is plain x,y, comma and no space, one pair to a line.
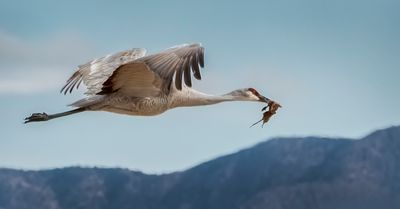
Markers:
255,92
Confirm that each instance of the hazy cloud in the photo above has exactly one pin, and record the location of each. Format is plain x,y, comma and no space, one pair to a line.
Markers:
33,81
28,66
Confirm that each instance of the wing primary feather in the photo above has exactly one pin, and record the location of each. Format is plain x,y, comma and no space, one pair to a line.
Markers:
67,86
74,82
201,57
178,79
175,65
186,73
179,74
71,82
195,67
61,91
79,82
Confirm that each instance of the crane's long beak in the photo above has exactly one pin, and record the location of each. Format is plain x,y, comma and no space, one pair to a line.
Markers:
264,99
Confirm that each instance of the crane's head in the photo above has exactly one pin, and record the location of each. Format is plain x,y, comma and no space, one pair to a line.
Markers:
249,94
254,93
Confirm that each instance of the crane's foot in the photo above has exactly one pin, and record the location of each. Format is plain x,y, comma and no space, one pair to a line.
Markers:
36,117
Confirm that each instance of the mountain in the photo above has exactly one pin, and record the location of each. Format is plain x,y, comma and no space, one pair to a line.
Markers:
294,173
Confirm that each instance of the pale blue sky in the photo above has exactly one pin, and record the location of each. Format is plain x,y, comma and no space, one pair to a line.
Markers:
333,65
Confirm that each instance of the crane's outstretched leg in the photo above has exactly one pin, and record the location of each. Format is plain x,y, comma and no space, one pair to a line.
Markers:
37,117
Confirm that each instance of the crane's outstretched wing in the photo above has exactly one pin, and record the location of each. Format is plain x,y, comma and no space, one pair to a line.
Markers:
96,72
154,73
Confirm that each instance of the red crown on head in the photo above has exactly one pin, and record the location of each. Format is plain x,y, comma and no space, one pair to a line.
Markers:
254,91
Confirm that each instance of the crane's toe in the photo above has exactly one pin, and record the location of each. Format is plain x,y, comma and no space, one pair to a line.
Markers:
35,117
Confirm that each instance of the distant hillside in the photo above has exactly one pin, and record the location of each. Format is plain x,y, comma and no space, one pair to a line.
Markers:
284,173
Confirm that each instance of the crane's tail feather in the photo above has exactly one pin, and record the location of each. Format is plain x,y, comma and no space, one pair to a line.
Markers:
38,117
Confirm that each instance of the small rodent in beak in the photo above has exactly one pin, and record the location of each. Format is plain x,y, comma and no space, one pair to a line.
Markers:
272,108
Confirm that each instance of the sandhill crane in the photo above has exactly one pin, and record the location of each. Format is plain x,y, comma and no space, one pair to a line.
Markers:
131,83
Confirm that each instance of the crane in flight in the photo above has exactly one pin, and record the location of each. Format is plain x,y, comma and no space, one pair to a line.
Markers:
132,83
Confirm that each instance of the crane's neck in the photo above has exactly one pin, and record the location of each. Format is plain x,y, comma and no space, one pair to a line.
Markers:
190,97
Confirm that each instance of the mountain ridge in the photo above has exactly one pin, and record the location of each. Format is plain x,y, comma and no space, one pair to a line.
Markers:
296,172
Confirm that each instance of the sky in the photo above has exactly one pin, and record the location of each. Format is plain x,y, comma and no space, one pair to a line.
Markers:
333,65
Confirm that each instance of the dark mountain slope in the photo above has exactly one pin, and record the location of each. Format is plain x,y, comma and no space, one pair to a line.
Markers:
280,173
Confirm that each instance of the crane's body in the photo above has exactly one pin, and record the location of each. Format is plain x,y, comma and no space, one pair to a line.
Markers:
131,83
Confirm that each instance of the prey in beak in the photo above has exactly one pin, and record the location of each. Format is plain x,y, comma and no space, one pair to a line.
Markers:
272,108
